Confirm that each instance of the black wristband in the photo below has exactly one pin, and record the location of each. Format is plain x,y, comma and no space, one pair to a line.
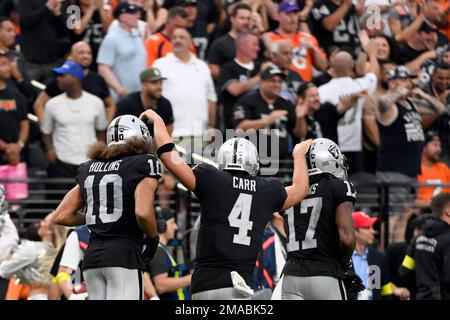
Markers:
168,147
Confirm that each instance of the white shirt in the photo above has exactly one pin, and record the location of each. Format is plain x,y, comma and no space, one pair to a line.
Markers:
189,87
73,124
350,125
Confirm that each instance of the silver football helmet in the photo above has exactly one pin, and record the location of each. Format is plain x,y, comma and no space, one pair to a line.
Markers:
239,154
324,156
125,127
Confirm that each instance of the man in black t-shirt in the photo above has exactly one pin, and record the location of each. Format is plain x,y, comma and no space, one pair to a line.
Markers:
238,76
320,120
271,116
14,125
223,49
236,206
149,97
320,231
93,83
116,188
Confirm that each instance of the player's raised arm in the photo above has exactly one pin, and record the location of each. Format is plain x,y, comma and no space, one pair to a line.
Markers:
300,180
167,152
67,212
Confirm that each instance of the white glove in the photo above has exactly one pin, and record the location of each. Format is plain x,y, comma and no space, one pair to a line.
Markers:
240,285
78,296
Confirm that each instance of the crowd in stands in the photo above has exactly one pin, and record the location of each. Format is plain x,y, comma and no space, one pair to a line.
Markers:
371,75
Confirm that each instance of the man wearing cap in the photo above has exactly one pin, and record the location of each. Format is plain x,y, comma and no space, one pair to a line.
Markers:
122,54
305,48
270,115
149,97
400,124
168,278
365,258
433,171
93,83
72,121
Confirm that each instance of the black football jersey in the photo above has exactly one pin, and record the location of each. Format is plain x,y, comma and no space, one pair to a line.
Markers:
108,190
313,238
235,210
344,35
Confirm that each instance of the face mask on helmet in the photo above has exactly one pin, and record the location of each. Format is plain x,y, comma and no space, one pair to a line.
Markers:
324,156
239,154
124,128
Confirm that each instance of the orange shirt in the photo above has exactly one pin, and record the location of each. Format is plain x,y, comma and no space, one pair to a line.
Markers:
158,46
438,173
444,4
302,58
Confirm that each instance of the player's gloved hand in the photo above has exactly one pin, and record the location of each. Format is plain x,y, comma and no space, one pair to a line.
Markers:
150,248
353,282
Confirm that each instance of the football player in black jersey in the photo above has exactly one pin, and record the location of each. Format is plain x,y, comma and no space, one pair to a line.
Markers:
236,206
116,189
321,235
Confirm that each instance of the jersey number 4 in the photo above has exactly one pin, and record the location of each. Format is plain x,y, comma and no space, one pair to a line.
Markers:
239,217
313,204
109,206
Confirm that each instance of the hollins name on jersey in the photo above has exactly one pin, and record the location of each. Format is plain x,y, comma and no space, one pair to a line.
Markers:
105,166
244,184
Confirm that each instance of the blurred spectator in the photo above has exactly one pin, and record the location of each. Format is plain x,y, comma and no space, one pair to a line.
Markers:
396,252
122,55
92,27
422,41
437,17
428,255
190,89
203,16
365,258
401,134
350,129
149,97
159,44
41,23
141,29
14,125
223,49
72,121
70,262
320,120
270,115
170,282
20,79
9,238
406,16
444,26
335,23
305,48
238,76
433,171
280,54
32,260
93,83
271,259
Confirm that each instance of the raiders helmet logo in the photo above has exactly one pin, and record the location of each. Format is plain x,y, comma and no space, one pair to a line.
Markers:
334,151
